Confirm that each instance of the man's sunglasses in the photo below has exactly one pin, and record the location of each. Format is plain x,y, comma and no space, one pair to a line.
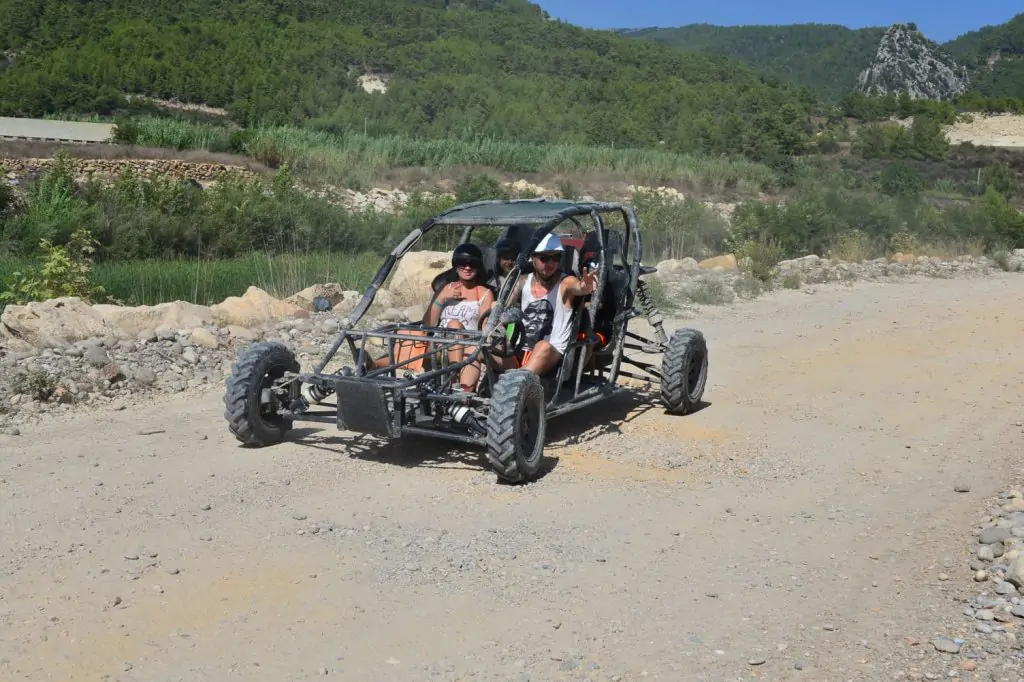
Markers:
548,257
467,264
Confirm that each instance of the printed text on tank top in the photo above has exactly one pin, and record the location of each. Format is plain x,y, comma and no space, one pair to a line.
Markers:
465,311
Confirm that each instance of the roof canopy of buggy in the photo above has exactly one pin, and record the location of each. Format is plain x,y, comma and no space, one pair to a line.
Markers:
520,211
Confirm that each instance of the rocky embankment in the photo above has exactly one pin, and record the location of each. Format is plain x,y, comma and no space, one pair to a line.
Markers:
61,354
18,170
986,634
64,353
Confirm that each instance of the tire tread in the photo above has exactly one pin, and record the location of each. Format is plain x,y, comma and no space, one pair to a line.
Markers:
242,416
511,391
675,391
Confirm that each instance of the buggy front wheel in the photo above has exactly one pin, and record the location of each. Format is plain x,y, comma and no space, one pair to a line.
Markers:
516,426
251,420
684,371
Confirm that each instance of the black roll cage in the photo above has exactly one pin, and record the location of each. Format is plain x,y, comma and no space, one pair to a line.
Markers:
400,387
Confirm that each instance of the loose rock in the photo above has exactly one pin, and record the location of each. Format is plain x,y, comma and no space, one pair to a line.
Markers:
946,646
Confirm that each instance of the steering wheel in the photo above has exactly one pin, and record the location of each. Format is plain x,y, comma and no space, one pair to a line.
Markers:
513,339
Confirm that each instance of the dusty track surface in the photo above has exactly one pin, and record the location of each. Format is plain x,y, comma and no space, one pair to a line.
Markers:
798,521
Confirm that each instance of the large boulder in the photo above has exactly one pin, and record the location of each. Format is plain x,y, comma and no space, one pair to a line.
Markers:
675,270
520,187
55,323
342,301
134,320
726,262
903,258
253,308
410,282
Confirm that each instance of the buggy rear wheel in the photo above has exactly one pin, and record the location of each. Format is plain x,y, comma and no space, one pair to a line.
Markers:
516,426
684,371
252,421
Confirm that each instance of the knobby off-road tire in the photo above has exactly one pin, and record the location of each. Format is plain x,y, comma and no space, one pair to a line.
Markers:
257,368
516,426
684,371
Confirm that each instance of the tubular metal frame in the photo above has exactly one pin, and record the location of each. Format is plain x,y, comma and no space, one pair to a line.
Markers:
439,339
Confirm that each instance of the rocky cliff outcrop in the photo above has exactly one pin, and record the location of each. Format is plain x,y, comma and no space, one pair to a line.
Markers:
908,62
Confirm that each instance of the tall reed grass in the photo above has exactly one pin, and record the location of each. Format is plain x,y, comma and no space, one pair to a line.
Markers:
148,282
356,160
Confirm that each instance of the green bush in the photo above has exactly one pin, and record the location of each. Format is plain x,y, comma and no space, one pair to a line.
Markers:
999,177
479,187
62,271
677,229
899,179
924,139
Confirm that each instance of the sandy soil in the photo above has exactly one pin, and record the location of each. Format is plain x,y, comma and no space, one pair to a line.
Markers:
997,130
792,530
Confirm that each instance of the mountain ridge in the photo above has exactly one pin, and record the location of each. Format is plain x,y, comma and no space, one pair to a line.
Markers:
840,53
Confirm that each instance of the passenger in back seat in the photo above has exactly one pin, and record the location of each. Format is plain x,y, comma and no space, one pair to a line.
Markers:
506,253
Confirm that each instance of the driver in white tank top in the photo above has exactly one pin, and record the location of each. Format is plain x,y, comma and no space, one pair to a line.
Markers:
547,317
546,297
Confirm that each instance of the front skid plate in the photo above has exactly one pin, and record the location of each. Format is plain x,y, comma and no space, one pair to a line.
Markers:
362,407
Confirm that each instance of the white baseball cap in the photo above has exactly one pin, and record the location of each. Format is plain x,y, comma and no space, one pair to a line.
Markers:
551,242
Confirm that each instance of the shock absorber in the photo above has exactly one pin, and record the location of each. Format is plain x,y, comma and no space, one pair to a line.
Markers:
653,314
314,393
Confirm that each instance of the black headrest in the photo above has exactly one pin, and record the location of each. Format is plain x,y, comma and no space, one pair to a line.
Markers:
519,235
490,261
613,239
571,260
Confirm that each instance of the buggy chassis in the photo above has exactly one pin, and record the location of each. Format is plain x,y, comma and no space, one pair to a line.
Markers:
267,392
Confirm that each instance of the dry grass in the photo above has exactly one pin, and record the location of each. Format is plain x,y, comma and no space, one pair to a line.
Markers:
855,247
950,250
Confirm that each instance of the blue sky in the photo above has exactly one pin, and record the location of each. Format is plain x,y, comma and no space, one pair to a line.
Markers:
940,20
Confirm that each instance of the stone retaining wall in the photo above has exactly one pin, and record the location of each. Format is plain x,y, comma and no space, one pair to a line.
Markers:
22,169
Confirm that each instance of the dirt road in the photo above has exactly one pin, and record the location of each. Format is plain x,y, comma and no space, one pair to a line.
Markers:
794,529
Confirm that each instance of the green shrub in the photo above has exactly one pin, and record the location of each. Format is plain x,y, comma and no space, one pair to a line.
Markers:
62,271
38,384
999,177
899,179
479,187
677,229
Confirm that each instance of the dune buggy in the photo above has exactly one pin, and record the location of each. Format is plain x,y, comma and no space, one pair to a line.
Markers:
413,394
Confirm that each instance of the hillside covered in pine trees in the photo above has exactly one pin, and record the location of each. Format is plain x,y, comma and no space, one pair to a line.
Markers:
498,68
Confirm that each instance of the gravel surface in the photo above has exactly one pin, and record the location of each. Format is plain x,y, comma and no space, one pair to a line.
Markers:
821,519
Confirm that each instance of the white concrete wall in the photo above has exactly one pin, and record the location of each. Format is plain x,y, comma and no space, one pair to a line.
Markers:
40,129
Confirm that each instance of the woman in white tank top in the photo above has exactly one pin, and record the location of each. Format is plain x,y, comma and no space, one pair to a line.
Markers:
461,305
